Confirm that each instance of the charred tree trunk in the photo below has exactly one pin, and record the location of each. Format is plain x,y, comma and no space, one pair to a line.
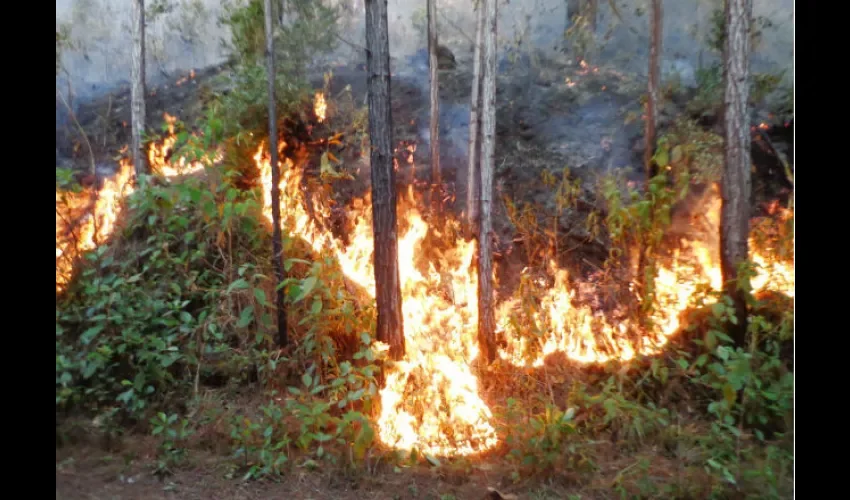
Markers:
655,25
435,96
486,314
277,244
137,90
472,190
390,327
736,184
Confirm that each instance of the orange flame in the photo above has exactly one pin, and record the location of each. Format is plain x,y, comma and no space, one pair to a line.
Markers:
82,225
159,155
320,107
92,228
431,399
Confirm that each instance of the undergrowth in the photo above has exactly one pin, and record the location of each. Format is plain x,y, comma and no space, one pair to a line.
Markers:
176,307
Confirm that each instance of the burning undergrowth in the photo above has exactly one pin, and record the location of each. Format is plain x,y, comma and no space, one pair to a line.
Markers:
433,400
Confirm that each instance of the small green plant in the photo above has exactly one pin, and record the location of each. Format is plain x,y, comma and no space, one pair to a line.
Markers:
262,445
543,442
172,449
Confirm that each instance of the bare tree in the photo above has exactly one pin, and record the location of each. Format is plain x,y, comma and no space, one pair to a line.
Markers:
655,26
486,314
390,327
137,89
472,199
736,183
435,94
277,245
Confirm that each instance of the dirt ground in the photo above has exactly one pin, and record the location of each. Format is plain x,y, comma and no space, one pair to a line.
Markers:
92,474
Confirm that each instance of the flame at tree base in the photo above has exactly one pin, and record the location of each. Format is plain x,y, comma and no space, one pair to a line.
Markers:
431,400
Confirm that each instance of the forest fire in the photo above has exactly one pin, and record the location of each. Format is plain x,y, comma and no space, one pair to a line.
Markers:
431,400
159,155
94,226
320,107
451,417
87,218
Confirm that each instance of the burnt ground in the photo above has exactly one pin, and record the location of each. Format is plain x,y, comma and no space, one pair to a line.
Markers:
551,114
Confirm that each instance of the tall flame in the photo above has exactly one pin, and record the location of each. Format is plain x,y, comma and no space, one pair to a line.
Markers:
431,399
320,107
87,218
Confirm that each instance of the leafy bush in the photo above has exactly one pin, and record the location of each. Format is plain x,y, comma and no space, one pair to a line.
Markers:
145,309
543,442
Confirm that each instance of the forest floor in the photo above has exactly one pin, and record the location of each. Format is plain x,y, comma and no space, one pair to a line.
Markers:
93,474
560,115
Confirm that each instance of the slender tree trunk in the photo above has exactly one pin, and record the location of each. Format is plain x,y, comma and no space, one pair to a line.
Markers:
137,90
486,314
655,26
277,244
573,11
591,13
736,184
472,198
390,328
435,95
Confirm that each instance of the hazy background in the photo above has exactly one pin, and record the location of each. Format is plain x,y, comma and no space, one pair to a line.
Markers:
190,36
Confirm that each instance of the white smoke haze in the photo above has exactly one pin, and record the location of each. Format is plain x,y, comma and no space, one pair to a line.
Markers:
189,37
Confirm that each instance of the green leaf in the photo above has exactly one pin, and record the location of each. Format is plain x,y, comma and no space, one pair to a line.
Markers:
432,460
683,363
662,157
260,295
245,317
729,394
239,284
307,380
90,334
677,154
306,287
316,308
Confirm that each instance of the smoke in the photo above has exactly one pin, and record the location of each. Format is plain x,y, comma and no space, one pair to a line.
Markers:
189,36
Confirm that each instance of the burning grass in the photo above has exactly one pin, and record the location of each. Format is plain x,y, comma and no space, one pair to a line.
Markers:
437,400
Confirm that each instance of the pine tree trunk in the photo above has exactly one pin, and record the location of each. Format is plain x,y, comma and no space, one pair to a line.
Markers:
390,327
472,190
277,245
435,95
137,90
655,26
736,183
486,314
